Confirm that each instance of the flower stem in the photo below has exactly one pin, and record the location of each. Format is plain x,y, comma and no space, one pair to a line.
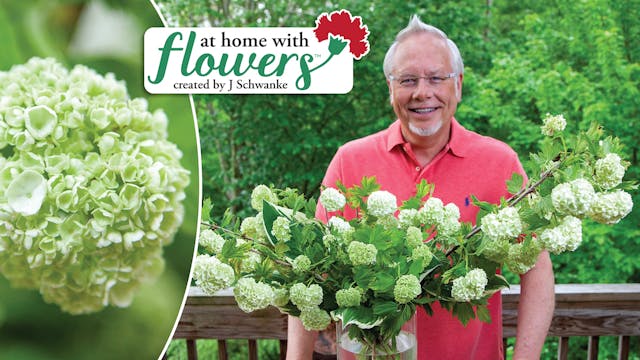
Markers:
515,199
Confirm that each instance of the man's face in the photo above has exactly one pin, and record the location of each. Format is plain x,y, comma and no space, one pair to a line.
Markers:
424,107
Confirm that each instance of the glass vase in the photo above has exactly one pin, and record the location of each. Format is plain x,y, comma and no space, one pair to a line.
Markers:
403,347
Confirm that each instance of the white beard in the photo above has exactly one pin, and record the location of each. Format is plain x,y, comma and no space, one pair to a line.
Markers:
428,131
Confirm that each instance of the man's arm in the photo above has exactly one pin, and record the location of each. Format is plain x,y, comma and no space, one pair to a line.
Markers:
535,310
299,341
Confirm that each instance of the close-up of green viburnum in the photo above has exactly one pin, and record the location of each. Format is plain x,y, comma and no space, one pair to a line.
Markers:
90,187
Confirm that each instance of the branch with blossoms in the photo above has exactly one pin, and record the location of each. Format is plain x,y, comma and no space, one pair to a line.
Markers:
374,270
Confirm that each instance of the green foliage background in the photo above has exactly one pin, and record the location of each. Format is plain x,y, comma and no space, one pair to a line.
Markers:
31,329
523,59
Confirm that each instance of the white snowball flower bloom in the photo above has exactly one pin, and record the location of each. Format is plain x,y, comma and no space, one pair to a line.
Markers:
610,208
252,295
211,241
573,198
339,224
381,203
432,212
92,187
567,236
212,275
332,199
506,224
609,171
470,287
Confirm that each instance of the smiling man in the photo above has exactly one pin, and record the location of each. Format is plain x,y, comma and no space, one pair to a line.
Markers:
424,72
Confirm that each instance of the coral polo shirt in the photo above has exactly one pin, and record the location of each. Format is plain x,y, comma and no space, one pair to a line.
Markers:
470,164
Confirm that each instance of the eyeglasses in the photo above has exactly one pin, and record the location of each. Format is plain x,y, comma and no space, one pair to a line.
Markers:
411,81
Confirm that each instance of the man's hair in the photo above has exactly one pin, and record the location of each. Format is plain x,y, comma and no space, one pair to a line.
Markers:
415,27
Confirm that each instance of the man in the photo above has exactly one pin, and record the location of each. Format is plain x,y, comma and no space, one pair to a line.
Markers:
424,73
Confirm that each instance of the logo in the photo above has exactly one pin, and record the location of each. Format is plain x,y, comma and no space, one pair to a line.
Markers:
283,60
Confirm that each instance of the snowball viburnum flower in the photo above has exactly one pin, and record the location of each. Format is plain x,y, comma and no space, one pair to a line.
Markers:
301,264
348,297
610,208
361,253
305,297
341,226
381,203
407,288
506,224
262,193
252,295
332,199
573,198
281,229
552,124
314,318
211,275
470,287
609,171
211,241
567,236
92,188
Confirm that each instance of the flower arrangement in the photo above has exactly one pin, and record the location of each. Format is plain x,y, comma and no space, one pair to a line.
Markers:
371,272
90,187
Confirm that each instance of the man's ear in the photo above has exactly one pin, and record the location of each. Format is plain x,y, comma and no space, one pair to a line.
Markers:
459,92
390,92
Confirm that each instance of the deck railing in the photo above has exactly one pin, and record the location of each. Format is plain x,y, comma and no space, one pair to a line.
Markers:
592,311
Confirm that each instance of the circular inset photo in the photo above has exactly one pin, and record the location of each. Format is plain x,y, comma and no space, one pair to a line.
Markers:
99,185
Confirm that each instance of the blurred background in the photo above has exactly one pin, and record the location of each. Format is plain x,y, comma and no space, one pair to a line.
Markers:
523,59
106,36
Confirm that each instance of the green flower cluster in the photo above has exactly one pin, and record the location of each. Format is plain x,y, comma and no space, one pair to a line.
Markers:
469,287
361,253
407,288
211,275
90,187
262,193
281,229
252,295
253,227
301,264
314,318
349,297
304,296
210,240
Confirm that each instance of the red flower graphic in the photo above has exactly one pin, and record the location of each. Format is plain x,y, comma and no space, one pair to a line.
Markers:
342,26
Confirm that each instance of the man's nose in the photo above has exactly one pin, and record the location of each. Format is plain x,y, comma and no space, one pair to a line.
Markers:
423,89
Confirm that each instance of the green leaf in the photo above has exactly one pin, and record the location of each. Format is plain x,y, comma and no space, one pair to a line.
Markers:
515,184
384,308
482,311
363,277
383,282
207,206
362,316
269,215
483,205
464,312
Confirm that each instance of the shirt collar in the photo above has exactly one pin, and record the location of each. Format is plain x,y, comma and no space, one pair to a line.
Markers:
458,144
